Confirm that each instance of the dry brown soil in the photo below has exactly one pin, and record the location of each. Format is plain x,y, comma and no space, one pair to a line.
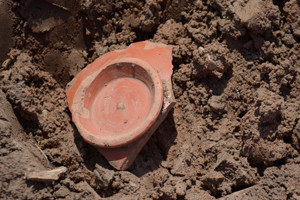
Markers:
233,134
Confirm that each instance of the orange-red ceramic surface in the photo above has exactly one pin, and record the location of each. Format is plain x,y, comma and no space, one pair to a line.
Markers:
115,100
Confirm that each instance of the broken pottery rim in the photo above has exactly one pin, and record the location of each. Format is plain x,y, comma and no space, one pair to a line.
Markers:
135,133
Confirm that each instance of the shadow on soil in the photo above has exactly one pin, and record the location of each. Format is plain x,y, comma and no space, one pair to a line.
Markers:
89,154
156,149
149,159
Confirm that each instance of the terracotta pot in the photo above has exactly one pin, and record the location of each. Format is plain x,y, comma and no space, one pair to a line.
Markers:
118,101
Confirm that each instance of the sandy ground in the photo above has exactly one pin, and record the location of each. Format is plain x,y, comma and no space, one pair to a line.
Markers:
233,134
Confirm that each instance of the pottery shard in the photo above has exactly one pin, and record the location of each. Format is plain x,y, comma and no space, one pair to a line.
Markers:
216,103
46,176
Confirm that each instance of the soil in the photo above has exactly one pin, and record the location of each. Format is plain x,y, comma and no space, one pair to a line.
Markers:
234,132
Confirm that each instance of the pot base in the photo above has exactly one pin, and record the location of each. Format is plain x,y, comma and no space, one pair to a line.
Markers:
122,158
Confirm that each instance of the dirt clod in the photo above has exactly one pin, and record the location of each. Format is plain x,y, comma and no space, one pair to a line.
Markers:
45,176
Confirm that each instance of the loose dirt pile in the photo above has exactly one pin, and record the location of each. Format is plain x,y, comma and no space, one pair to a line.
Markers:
233,134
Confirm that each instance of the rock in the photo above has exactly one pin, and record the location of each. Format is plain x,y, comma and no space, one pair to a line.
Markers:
46,25
292,16
228,173
61,192
6,28
241,194
46,176
238,171
216,183
75,61
53,20
270,108
134,21
168,192
258,16
104,177
150,16
288,39
286,184
217,103
170,32
196,194
180,188
6,63
266,153
180,166
64,66
214,59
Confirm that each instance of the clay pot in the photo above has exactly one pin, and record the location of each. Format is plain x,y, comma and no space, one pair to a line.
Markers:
117,100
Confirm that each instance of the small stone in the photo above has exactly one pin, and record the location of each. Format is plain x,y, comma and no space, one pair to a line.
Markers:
258,16
288,39
189,182
134,21
62,192
6,63
87,32
214,181
217,103
195,194
104,176
180,188
168,192
133,184
74,61
164,164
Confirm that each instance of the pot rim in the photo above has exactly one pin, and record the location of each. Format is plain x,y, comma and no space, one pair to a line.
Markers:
111,141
